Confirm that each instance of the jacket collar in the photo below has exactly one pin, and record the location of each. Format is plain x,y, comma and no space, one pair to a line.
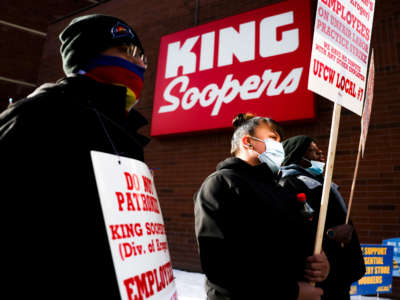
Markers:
106,98
109,100
295,169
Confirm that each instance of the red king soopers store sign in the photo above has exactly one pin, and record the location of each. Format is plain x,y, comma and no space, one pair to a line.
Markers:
255,62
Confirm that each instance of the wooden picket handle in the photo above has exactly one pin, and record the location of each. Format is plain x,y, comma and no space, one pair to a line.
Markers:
353,185
328,178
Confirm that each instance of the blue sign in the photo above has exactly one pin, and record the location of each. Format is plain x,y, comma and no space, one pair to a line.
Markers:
395,242
378,261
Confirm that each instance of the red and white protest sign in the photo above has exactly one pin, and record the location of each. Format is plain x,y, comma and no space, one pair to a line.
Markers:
135,228
339,60
364,126
255,62
366,116
338,68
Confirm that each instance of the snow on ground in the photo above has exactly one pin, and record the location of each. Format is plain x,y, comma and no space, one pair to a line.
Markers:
190,286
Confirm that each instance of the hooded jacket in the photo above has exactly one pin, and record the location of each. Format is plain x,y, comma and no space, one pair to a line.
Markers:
295,147
54,238
346,263
248,234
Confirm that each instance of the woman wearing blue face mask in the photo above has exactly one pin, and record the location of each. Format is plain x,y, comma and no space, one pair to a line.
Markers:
249,235
303,172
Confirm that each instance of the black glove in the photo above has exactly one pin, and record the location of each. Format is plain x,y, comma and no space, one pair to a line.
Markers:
341,233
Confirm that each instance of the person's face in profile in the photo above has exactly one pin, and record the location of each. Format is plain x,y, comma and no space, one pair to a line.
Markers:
255,145
314,153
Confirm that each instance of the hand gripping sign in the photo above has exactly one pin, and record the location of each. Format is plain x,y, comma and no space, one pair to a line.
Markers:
135,228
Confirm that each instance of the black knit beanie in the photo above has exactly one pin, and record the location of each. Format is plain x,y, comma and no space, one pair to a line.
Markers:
295,148
87,36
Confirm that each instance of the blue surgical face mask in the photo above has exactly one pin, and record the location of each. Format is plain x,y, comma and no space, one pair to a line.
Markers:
273,155
317,167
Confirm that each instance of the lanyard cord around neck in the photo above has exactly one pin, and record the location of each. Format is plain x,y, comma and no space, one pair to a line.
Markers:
102,116
106,131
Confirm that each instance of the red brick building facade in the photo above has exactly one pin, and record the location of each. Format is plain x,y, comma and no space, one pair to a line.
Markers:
182,162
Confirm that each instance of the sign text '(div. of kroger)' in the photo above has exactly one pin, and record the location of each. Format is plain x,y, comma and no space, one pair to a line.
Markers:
242,46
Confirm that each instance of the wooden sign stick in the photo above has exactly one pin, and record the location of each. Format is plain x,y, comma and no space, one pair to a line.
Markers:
354,181
328,177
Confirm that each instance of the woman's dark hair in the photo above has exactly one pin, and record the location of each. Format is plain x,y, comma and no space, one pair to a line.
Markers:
246,123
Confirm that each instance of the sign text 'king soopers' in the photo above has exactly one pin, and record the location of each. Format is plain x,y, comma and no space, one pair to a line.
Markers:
253,62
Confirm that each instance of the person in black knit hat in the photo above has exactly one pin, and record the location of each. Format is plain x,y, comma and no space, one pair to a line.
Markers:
54,239
302,172
90,35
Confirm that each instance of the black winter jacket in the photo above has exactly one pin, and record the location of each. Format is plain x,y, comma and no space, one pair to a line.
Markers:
54,238
249,238
346,263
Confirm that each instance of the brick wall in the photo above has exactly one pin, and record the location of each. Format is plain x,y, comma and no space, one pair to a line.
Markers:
182,162
21,48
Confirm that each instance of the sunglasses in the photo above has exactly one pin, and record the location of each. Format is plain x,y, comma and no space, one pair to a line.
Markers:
135,52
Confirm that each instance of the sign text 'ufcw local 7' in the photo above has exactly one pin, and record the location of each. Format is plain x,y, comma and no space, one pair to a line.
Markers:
256,61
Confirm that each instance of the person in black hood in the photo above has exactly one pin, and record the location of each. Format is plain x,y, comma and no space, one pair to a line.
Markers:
54,239
302,172
247,233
